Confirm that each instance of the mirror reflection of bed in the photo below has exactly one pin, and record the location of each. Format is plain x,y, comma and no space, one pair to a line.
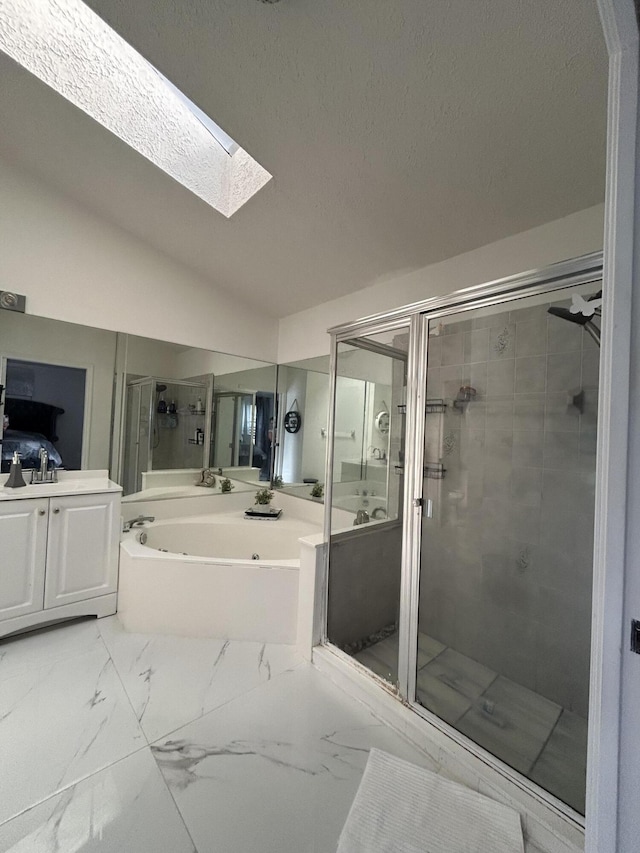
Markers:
44,406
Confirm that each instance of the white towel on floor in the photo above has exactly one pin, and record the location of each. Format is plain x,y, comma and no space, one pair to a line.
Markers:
401,808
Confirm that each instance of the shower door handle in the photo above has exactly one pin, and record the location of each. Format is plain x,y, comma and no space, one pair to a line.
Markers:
426,505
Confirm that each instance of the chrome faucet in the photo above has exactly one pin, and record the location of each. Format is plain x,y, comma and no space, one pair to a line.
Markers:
362,517
126,527
42,474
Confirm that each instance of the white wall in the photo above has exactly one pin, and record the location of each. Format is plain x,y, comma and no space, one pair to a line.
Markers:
197,362
303,335
257,379
75,266
292,385
146,357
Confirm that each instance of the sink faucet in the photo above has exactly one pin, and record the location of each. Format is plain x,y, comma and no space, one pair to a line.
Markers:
42,474
362,517
44,463
126,527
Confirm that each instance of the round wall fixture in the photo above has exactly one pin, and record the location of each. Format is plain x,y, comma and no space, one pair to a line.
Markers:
292,421
382,422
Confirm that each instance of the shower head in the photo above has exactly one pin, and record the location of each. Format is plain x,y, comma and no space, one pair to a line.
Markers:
582,314
160,387
565,314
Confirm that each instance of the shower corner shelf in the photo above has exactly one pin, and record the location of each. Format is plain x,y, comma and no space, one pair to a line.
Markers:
402,408
434,407
434,471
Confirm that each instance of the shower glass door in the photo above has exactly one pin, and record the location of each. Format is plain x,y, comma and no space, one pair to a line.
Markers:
504,610
367,493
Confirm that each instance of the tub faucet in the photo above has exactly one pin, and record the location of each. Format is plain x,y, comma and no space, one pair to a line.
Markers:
362,517
126,527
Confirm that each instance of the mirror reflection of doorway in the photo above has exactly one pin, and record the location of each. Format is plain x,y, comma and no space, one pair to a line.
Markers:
44,406
243,431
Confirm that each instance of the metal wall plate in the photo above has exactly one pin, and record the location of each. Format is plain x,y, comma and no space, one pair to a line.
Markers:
12,301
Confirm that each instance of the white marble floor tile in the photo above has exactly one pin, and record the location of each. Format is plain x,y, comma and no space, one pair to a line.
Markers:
125,808
58,723
172,681
47,645
511,722
276,770
562,765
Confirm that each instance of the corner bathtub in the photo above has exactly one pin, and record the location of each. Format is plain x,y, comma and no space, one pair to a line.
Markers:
206,581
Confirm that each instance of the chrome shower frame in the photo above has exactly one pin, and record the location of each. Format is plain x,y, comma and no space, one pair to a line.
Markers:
416,317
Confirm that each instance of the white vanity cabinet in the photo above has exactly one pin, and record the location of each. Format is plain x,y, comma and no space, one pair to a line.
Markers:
82,548
23,550
59,553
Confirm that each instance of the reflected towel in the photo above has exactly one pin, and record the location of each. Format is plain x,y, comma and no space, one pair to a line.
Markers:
401,808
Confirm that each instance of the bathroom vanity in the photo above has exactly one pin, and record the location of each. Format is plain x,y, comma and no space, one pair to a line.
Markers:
58,549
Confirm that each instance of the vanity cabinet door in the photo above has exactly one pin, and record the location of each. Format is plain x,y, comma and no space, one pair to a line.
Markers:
82,548
23,545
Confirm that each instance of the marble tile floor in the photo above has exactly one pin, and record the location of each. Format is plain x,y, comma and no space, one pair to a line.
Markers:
153,744
535,736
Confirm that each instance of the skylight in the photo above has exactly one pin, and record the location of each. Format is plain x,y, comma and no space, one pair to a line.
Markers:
70,48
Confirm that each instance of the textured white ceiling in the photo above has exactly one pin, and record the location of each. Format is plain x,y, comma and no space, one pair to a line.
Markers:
398,134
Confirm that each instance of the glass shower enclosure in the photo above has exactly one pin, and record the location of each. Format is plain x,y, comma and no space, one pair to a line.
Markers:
471,597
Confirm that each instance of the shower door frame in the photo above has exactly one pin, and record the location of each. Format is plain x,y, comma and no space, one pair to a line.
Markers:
416,317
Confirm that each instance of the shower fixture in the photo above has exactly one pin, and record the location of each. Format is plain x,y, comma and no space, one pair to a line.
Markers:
582,313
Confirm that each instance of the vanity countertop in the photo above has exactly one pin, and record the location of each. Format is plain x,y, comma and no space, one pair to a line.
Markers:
69,483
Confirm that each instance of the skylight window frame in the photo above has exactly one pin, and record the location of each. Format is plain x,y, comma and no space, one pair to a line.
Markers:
69,47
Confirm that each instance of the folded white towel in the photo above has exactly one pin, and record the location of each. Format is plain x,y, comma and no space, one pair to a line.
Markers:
401,808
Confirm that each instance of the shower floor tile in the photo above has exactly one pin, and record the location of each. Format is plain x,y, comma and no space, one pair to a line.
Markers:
466,676
450,683
440,698
370,659
562,765
382,657
512,722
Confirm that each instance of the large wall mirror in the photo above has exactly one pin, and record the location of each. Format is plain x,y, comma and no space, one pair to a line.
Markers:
362,434
157,414
183,410
58,381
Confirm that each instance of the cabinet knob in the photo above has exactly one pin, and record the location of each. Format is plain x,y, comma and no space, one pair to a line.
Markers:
42,512
56,510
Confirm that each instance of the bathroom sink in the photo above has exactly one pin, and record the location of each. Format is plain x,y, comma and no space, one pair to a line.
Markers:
71,484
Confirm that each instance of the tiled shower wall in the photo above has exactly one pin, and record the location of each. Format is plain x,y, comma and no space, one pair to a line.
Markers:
507,558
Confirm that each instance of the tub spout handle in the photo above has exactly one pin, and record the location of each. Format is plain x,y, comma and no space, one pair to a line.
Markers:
126,527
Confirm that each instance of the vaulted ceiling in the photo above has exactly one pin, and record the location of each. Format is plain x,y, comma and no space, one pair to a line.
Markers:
398,133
